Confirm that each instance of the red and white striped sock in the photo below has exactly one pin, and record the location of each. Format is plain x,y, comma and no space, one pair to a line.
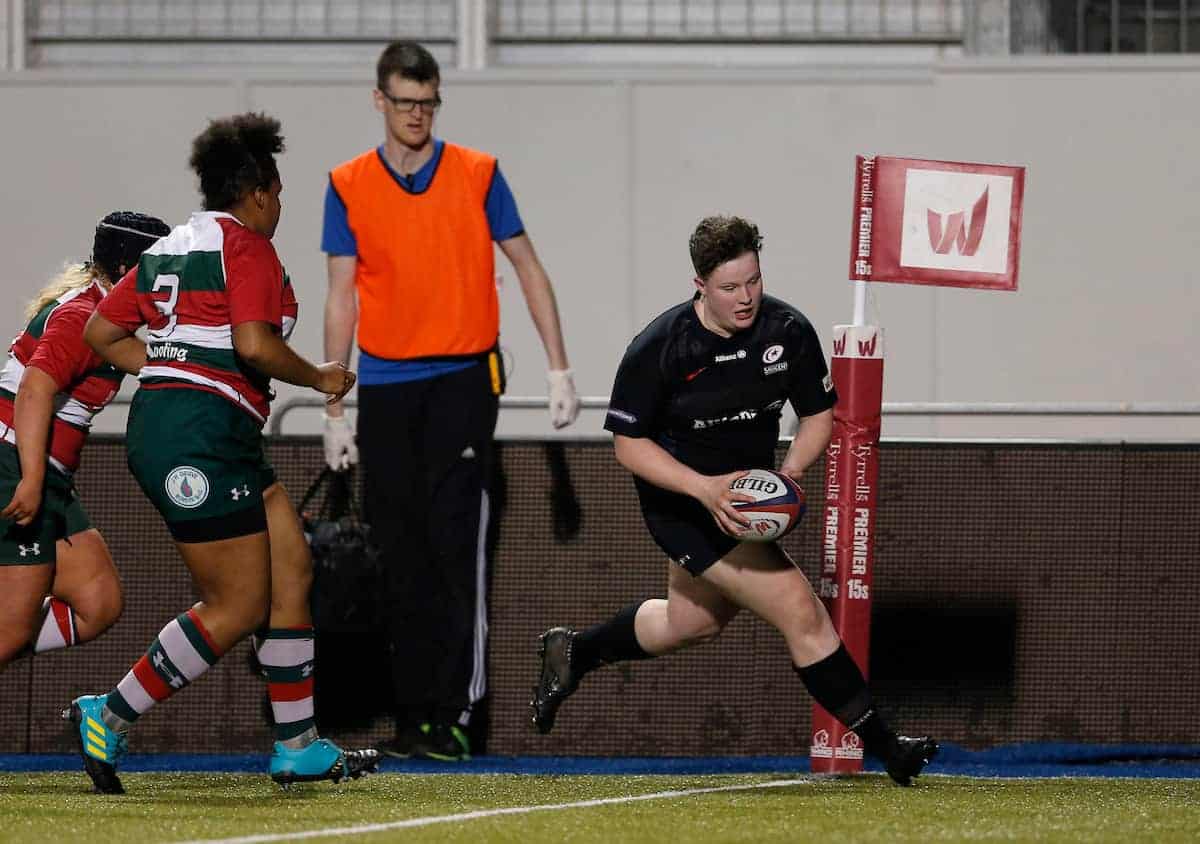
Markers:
181,653
286,655
57,629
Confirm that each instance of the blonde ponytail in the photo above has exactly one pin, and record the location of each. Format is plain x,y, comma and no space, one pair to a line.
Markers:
72,276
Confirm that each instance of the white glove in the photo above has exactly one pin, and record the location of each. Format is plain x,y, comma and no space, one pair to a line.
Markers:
340,450
564,401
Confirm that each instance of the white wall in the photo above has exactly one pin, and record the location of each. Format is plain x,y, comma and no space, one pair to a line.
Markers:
613,169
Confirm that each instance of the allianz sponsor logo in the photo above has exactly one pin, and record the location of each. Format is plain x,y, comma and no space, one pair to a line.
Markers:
166,351
738,355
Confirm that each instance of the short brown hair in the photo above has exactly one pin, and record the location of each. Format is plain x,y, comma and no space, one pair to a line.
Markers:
408,60
719,239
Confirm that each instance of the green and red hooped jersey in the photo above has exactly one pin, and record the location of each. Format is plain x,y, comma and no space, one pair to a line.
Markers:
190,289
53,343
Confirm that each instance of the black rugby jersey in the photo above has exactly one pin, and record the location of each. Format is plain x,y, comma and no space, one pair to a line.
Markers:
714,402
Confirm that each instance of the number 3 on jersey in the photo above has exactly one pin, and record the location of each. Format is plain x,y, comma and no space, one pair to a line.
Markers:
170,283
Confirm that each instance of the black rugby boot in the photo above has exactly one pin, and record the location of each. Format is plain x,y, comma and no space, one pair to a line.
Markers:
558,680
907,756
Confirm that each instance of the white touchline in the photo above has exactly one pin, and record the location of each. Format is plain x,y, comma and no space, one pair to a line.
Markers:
487,813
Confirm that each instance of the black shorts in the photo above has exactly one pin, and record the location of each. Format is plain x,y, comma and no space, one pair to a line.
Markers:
684,530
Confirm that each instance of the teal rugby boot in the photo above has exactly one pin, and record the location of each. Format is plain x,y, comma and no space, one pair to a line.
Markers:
321,760
100,746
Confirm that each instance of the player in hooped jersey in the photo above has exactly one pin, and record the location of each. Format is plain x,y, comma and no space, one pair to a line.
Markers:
696,403
217,307
58,586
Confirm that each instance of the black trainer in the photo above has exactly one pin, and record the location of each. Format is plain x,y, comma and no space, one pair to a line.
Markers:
406,744
907,757
557,681
443,742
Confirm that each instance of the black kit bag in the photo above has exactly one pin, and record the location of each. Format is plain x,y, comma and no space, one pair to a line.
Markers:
346,567
349,689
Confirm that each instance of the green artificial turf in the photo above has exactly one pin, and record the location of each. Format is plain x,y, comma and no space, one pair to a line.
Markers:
188,807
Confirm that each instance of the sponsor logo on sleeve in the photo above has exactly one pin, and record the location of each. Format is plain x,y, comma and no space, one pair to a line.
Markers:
622,415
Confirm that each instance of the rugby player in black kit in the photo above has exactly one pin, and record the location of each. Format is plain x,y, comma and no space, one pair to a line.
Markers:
696,403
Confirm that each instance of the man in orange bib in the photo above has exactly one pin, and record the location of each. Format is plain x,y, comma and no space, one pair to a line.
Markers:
408,231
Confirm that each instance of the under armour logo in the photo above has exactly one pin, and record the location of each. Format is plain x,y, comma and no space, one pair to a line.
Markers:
160,665
306,670
34,549
240,493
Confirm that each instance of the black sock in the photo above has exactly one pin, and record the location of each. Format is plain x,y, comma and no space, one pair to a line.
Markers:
612,641
836,683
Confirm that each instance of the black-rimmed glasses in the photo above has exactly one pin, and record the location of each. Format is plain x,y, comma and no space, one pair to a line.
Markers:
406,105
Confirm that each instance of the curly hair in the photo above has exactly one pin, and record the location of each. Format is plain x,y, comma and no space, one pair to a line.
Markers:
235,155
719,239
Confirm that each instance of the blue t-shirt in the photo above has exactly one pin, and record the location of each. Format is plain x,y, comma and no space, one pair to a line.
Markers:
337,239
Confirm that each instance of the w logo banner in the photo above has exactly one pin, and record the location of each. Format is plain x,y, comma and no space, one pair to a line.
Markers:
954,234
857,341
936,222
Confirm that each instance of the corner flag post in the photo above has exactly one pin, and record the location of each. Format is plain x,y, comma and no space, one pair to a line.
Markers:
914,222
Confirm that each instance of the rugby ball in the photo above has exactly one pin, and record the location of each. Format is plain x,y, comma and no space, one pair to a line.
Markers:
777,506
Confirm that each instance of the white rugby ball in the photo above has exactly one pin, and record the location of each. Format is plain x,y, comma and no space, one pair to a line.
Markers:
777,506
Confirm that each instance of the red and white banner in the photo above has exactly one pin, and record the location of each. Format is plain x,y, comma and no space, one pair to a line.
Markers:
944,223
848,544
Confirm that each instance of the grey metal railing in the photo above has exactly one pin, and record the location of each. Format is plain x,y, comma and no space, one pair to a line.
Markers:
240,20
512,21
727,20
931,409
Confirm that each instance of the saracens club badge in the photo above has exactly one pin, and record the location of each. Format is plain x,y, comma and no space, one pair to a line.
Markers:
187,487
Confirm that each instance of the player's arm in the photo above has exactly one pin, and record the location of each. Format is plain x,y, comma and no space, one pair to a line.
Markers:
341,314
114,344
810,442
812,396
253,285
258,344
110,328
651,462
33,409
